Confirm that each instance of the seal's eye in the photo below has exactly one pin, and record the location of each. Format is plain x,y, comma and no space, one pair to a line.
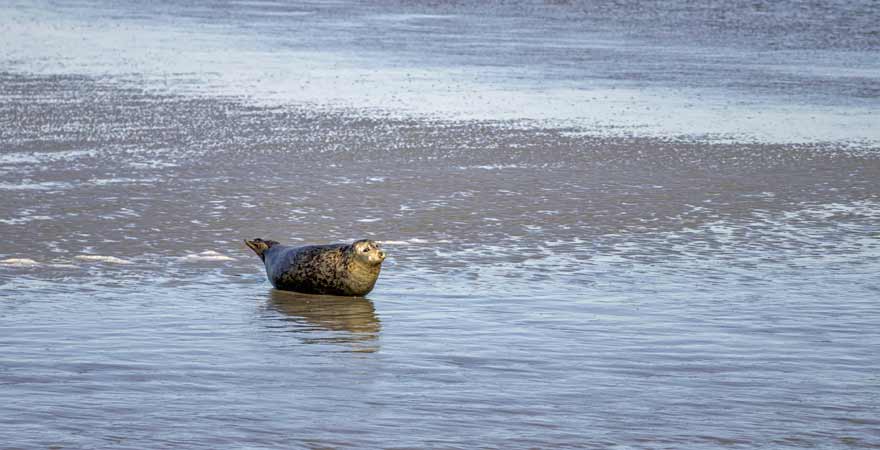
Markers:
366,249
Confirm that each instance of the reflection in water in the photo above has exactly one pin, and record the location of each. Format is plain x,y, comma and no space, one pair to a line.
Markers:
328,319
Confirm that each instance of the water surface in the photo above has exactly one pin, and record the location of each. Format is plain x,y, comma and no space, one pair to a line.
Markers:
548,286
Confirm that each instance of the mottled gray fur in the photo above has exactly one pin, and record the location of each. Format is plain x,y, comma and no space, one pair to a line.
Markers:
335,269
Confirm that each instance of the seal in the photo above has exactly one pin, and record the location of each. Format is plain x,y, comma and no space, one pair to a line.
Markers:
334,269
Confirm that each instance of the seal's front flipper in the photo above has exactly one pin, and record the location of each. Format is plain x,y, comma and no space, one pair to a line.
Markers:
259,246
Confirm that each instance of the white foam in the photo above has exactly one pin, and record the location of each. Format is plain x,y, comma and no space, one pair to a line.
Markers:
403,17
42,186
492,167
23,219
27,262
100,258
207,255
38,157
18,158
106,181
19,262
414,241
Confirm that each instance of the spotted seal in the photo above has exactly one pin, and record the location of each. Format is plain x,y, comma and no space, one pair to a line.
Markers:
334,269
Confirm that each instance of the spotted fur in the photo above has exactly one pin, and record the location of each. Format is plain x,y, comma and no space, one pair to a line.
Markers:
335,269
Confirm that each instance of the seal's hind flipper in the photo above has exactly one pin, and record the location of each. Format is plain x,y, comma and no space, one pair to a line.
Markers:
259,246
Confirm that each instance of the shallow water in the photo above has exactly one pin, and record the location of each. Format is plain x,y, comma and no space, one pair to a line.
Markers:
546,287
743,70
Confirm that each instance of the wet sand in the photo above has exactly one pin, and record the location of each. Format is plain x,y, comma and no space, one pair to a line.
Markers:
550,284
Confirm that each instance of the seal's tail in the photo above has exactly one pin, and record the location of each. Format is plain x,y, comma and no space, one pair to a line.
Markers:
259,246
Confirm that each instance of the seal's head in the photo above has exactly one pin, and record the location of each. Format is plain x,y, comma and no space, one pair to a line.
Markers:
259,246
368,252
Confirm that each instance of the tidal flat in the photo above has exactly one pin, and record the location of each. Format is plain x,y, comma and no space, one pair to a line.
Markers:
566,268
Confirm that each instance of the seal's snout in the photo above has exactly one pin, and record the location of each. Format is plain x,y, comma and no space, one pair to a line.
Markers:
368,252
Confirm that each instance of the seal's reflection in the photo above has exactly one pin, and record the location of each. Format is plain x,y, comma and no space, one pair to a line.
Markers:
350,319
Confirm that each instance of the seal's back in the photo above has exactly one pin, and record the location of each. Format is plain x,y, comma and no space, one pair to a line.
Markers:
334,269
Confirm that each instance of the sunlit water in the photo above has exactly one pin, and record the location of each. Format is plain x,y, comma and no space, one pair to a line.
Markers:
546,287
778,71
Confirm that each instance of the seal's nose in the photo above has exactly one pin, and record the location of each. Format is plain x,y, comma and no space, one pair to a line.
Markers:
381,254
